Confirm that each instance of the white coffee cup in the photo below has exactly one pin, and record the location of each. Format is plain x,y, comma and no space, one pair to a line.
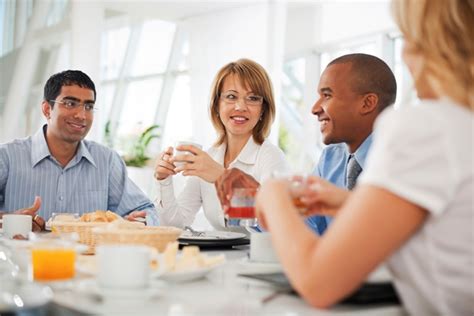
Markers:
184,152
261,248
17,224
123,266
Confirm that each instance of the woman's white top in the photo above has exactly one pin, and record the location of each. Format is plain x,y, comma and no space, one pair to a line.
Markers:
257,160
424,154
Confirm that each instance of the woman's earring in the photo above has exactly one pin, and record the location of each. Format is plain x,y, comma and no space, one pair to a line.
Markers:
261,117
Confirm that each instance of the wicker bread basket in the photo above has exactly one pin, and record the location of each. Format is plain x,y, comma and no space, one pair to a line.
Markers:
83,229
153,236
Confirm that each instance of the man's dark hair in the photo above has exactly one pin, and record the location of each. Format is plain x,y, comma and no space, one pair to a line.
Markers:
53,86
370,74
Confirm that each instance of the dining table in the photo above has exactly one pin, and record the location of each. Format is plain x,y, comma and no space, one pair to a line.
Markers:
223,291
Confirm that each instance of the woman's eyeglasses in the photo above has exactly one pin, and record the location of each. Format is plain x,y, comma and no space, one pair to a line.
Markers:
232,98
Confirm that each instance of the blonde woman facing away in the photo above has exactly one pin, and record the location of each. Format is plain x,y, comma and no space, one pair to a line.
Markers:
242,109
413,204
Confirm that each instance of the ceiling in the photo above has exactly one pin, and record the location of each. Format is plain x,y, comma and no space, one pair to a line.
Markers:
171,10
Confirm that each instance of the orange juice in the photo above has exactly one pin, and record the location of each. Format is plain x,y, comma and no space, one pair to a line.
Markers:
302,208
51,264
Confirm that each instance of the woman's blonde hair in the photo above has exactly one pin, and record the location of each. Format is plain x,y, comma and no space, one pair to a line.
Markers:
254,78
442,32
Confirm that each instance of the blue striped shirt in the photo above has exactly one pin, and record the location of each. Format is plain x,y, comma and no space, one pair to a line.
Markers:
95,179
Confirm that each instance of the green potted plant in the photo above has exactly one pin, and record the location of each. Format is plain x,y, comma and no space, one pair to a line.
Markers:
137,157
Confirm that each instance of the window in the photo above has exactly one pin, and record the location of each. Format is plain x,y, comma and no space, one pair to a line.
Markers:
56,12
178,120
295,123
140,80
405,90
114,47
140,104
294,110
7,22
154,48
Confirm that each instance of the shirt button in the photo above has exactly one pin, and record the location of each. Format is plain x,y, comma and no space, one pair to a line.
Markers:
61,198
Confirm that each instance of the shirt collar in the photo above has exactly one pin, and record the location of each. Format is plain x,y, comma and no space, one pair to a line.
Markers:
39,146
361,152
248,154
40,149
83,151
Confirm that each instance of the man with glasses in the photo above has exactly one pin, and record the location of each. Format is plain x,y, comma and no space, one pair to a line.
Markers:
60,170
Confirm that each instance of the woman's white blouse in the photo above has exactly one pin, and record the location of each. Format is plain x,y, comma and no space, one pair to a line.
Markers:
424,154
257,160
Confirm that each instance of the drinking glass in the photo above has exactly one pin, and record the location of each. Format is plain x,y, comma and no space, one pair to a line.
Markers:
53,256
242,208
179,152
297,185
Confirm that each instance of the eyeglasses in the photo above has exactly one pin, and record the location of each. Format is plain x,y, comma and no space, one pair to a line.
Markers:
232,98
75,104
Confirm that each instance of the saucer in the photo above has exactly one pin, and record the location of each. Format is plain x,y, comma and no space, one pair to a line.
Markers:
140,294
260,265
185,276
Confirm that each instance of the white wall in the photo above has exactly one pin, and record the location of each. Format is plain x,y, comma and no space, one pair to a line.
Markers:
218,39
311,26
303,30
342,20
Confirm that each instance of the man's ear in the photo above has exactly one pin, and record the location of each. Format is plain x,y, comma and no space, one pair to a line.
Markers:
369,103
46,109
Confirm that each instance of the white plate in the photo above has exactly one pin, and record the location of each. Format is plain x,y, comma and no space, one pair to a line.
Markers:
32,295
212,236
90,286
185,276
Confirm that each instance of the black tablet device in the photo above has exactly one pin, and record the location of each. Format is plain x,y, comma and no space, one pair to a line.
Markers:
368,293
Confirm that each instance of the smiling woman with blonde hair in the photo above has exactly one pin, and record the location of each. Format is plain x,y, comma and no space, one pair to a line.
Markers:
413,204
242,110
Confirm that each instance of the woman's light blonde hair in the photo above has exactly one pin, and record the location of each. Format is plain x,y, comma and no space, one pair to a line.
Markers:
442,32
254,78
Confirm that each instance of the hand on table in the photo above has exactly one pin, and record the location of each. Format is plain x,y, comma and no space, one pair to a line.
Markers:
136,216
197,163
231,179
38,221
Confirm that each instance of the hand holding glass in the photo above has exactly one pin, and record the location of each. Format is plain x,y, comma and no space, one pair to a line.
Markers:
242,207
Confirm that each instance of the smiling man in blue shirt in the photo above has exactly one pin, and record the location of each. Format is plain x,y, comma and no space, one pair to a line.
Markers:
60,170
353,90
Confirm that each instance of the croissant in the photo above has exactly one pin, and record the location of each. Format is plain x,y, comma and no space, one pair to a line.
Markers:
100,216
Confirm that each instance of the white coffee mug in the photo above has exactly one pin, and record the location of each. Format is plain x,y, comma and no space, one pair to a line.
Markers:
261,248
179,152
17,224
123,266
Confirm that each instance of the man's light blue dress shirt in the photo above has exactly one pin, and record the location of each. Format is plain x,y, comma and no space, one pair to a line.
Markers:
95,179
332,167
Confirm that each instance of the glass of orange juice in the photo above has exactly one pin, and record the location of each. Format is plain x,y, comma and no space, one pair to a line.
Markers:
53,257
297,184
